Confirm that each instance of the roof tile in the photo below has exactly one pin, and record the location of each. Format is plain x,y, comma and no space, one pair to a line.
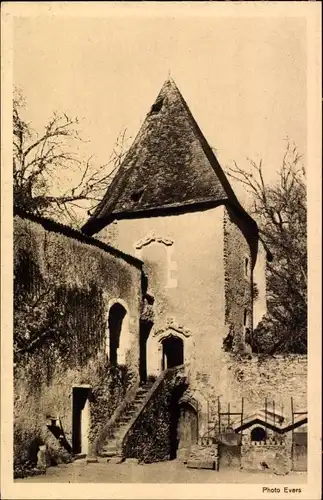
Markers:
169,164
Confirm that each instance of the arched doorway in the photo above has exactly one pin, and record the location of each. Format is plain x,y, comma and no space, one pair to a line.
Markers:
173,352
185,430
116,318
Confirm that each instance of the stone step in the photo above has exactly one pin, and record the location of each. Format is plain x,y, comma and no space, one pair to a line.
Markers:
134,407
138,402
125,417
117,459
139,397
142,391
108,454
131,407
111,444
201,464
144,388
120,432
130,412
109,449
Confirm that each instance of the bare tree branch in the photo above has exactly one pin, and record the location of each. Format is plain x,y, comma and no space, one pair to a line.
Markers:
280,211
40,161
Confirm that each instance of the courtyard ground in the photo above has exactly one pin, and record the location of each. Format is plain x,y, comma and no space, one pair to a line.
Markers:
162,472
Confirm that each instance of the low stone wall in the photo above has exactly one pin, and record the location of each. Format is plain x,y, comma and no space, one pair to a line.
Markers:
299,451
257,456
203,457
203,452
299,458
229,456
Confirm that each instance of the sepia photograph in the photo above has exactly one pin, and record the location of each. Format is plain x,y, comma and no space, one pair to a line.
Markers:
157,317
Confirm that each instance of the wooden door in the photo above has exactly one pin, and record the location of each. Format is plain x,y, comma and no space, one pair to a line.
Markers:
187,429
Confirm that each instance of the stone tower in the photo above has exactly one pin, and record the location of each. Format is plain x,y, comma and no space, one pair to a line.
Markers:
171,205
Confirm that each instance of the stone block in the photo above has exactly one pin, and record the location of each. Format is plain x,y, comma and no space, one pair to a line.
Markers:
183,454
43,458
198,464
116,460
133,461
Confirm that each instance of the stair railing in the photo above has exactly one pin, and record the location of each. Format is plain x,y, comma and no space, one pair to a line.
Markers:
108,428
152,390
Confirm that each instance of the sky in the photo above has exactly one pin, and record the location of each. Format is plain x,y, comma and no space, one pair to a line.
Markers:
244,78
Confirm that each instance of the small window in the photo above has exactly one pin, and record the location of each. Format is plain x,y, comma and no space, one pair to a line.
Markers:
258,434
246,266
136,196
157,106
245,317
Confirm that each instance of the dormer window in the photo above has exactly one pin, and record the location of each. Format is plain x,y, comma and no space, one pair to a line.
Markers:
136,196
157,106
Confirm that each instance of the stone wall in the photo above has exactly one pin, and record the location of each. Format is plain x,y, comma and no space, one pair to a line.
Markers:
229,456
277,378
238,278
64,286
259,279
202,283
270,457
203,456
299,453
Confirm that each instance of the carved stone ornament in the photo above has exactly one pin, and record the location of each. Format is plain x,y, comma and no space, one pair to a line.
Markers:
153,238
171,324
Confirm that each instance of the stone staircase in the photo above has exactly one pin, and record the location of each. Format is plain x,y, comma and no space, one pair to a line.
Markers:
111,447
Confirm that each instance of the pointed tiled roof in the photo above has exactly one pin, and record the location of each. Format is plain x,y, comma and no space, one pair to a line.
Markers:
170,164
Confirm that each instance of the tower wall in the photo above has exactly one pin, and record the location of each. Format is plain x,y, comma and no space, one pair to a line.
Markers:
184,260
259,278
238,277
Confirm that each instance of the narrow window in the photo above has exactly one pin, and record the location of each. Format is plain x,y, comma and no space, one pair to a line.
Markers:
245,316
117,314
246,266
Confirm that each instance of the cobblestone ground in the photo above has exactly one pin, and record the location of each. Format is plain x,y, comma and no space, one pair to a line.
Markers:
163,472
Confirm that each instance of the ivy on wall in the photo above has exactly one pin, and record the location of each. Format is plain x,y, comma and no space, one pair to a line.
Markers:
153,437
55,303
61,287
